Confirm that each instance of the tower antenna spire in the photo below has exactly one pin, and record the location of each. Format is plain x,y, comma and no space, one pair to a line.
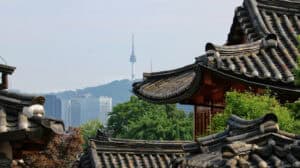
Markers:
132,44
151,65
132,59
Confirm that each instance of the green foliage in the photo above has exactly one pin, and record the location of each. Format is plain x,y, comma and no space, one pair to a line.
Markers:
219,122
295,109
89,130
297,73
297,126
297,70
137,119
298,38
250,106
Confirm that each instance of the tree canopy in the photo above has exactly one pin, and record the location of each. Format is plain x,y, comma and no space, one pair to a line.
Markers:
250,106
138,119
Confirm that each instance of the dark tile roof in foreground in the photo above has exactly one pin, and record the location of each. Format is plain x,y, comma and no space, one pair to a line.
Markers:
4,162
14,125
120,153
257,143
261,51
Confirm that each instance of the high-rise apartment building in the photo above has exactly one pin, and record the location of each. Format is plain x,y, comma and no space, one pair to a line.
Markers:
87,107
66,112
75,112
53,107
105,108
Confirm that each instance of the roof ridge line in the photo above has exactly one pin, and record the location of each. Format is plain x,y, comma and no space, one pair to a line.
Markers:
269,41
164,73
261,120
289,4
215,52
162,142
252,7
242,129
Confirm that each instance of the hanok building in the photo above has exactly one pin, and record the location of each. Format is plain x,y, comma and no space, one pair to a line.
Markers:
22,125
261,52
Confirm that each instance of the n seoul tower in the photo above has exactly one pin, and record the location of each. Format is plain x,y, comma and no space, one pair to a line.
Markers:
132,59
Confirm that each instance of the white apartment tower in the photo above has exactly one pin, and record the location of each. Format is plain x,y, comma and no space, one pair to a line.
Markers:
105,107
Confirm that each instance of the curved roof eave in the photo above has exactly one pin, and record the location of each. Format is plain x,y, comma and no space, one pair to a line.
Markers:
172,76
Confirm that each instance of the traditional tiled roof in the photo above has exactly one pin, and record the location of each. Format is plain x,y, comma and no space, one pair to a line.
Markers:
169,85
261,51
276,25
4,162
106,153
15,125
256,143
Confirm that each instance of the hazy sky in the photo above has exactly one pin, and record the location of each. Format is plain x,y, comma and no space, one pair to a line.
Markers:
64,44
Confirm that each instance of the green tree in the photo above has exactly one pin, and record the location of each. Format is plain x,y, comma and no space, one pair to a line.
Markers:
295,109
250,106
89,129
138,119
297,70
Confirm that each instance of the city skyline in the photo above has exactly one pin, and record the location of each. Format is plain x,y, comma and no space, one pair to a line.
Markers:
78,110
84,44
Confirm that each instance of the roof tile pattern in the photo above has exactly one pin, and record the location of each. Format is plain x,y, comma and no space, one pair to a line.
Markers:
168,84
163,88
266,63
131,153
4,162
256,143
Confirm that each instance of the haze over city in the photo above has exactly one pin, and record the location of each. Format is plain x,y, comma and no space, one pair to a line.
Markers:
62,45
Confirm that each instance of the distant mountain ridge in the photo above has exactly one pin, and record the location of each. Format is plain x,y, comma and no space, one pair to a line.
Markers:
119,90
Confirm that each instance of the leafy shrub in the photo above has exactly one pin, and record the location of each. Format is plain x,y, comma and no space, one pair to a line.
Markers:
297,127
250,106
89,130
295,109
297,73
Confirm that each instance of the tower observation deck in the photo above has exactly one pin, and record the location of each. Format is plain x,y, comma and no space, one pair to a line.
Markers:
132,60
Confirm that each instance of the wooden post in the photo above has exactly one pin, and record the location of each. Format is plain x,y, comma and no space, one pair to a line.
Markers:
195,122
203,117
201,120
